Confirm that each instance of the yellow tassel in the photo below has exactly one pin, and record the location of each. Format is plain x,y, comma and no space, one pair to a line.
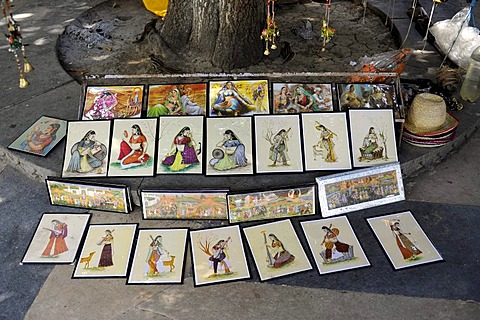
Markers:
27,66
23,83
274,46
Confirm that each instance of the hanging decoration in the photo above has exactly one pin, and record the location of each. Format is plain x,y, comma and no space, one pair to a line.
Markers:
327,31
271,31
14,38
434,6
413,9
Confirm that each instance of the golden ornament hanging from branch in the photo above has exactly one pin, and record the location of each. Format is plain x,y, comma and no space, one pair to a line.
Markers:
271,31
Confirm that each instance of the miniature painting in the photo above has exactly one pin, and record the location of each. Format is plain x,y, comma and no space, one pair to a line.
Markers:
106,251
360,189
102,197
372,137
283,203
325,141
133,147
229,146
111,102
334,245
86,149
177,99
159,256
278,144
366,96
170,204
180,144
57,238
298,97
40,138
276,249
218,255
238,98
403,240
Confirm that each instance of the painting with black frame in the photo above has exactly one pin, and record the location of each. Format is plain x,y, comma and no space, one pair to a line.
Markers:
367,96
301,97
89,195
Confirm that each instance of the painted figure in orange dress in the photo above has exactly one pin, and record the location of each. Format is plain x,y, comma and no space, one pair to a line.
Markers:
406,246
58,233
133,150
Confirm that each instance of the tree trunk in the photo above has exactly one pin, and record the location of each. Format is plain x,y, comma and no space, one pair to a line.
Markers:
223,33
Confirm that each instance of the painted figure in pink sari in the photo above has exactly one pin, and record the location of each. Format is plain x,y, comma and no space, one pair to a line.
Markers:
102,106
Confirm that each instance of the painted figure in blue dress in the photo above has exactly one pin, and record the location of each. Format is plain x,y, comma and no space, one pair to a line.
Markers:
229,102
229,153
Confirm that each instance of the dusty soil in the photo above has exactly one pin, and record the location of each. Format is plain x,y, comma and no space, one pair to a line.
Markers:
101,40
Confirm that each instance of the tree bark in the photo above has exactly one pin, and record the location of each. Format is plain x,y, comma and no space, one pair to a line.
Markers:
225,33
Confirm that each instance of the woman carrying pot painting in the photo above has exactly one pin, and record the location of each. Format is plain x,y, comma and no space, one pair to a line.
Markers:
229,154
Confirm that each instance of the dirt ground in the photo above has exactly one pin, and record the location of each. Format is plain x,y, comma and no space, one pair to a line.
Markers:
101,40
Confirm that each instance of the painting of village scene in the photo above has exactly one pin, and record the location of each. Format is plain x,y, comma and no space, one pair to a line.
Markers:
112,102
360,189
238,98
283,203
184,205
95,197
177,99
302,97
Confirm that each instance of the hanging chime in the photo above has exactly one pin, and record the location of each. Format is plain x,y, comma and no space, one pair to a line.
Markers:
271,31
327,31
14,38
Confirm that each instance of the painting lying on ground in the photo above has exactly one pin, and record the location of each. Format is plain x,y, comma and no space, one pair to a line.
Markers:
57,238
106,251
218,255
177,99
302,97
360,189
111,102
41,137
276,249
159,256
104,197
283,203
403,240
238,98
180,145
184,204
334,245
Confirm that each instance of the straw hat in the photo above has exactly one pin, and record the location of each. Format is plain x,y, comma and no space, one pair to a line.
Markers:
428,114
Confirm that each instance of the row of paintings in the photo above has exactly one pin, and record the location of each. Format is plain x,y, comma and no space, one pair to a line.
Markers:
232,98
218,254
229,146
337,194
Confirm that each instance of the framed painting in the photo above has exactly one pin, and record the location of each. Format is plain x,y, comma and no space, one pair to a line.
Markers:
57,238
106,251
86,149
184,204
360,189
366,96
238,98
229,146
79,194
159,256
278,146
372,135
218,256
112,102
403,240
276,249
180,144
302,97
133,148
177,99
276,204
41,137
326,145
334,245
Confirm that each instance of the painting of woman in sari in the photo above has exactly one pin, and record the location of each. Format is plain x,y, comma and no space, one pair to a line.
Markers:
173,106
106,257
303,100
278,255
87,155
103,106
58,233
405,245
183,153
325,145
133,150
370,148
229,153
229,102
156,253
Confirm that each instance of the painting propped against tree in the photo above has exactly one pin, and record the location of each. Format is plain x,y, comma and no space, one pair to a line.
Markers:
218,255
360,189
110,102
177,99
276,249
184,204
106,251
403,240
372,135
238,98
